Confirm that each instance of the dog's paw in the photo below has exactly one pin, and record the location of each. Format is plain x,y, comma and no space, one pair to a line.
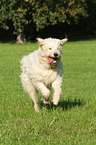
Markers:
46,102
36,107
55,100
46,94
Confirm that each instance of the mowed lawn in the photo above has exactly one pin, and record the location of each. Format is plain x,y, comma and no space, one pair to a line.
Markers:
72,122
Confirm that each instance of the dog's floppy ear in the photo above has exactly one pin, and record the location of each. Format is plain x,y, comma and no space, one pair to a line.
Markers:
63,41
41,41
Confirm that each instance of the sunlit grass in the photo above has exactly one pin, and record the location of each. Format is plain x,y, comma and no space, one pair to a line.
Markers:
72,121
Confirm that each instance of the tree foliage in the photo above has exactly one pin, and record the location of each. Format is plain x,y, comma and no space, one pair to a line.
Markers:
41,13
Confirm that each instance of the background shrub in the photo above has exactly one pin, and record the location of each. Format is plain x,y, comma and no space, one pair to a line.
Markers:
21,17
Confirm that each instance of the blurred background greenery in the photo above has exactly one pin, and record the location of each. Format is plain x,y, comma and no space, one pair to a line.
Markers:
28,19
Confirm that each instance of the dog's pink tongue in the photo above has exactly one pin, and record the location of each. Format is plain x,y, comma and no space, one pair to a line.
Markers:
50,60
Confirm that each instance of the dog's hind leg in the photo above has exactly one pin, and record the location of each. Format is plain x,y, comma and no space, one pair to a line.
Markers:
33,96
30,89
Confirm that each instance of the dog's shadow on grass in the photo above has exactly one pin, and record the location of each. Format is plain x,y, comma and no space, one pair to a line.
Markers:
69,104
64,105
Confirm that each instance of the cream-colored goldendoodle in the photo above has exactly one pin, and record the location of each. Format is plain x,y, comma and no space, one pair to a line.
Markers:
42,68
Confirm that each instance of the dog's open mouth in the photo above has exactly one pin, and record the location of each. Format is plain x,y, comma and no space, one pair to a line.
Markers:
52,60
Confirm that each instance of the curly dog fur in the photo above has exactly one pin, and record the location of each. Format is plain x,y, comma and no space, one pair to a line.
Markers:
42,68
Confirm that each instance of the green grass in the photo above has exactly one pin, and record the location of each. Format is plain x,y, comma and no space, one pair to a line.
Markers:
72,122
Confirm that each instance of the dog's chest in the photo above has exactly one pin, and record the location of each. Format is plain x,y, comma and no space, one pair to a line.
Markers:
49,77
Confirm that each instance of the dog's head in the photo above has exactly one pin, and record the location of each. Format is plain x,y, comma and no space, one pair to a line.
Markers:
51,49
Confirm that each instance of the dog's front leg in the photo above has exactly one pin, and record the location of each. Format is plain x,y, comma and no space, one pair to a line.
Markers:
43,89
56,85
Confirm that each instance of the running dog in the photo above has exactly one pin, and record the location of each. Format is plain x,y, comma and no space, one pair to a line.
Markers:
42,68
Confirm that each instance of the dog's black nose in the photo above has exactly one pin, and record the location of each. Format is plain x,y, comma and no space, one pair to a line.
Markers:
55,54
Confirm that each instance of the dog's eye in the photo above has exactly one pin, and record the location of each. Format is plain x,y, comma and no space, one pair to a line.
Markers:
50,48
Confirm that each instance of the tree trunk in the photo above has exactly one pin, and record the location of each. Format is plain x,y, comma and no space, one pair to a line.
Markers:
21,38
